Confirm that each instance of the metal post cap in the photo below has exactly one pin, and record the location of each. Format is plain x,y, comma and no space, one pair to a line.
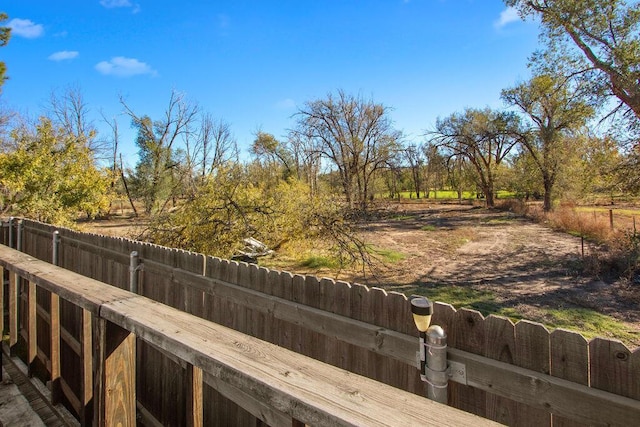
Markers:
436,335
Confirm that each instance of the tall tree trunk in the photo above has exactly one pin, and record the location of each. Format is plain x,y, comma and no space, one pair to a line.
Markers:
548,187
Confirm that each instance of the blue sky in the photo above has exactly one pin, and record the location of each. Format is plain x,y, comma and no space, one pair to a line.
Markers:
252,62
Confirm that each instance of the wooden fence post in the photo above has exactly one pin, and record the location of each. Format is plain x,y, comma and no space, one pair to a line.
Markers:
86,385
13,312
54,324
115,385
194,396
32,335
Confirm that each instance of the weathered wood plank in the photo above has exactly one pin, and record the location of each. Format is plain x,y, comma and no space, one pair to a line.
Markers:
532,352
303,388
86,357
467,333
54,356
73,287
193,380
32,333
115,376
614,368
570,361
248,402
499,344
13,311
568,399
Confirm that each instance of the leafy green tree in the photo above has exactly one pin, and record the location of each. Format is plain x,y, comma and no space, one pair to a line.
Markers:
523,177
484,138
555,108
355,135
600,35
235,204
50,176
5,35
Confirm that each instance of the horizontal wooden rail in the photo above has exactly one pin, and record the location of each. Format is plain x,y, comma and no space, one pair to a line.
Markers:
292,384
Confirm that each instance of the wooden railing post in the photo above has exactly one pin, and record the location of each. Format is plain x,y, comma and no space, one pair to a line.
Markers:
115,386
86,387
56,392
13,312
194,396
32,335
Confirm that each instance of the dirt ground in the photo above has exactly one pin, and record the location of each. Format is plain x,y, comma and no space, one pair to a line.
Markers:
527,266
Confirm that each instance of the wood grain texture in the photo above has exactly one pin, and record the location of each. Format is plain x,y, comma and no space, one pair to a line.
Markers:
115,376
13,311
467,333
532,352
570,361
614,368
499,344
32,333
54,354
193,383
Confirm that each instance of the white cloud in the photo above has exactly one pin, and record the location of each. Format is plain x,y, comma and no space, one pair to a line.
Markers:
25,28
286,104
111,4
124,67
63,55
115,3
510,14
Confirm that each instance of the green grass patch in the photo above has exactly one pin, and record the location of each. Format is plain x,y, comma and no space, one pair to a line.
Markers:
589,209
589,323
385,254
318,261
463,297
586,322
428,228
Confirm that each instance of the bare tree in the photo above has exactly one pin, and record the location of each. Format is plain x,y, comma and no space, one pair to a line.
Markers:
355,135
70,111
209,145
157,142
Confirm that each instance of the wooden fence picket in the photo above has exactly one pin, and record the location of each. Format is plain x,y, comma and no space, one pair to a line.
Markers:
500,344
614,368
532,352
467,333
569,361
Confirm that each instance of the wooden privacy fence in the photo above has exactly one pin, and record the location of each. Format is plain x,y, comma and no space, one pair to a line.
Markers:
515,374
291,388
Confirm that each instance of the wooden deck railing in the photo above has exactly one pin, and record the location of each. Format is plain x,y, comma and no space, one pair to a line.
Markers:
283,387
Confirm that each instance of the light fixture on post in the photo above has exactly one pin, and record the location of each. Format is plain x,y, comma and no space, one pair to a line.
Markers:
422,309
433,350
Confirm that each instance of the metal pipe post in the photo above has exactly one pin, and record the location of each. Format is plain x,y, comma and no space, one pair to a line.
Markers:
423,356
55,258
10,244
134,260
436,369
20,233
